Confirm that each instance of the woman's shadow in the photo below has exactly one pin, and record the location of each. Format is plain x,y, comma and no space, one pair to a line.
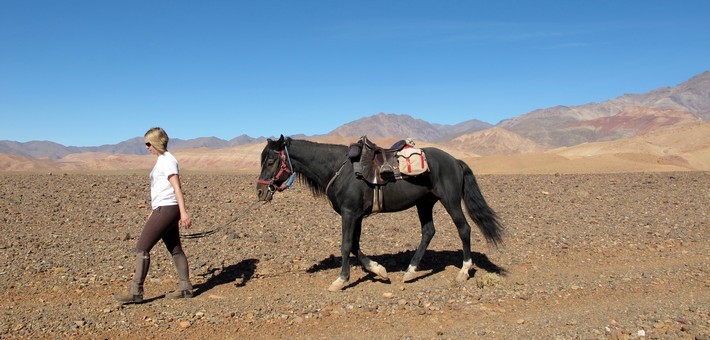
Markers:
239,274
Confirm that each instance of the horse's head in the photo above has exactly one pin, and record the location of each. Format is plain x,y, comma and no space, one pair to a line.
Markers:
276,169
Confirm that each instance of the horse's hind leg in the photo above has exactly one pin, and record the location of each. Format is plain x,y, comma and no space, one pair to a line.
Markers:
426,218
464,230
465,234
372,266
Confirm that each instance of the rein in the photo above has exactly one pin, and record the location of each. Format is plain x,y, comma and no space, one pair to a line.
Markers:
335,176
213,231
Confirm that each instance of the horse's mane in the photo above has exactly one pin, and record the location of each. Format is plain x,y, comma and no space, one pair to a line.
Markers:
325,150
317,190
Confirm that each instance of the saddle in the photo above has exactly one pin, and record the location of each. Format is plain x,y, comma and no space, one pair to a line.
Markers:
374,164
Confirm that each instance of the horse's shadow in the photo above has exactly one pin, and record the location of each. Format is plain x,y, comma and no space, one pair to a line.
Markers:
242,271
434,261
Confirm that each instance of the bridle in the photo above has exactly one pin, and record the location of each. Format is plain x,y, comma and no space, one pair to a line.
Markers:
285,168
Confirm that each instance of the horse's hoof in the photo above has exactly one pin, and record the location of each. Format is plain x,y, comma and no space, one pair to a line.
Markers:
409,276
337,285
462,277
380,271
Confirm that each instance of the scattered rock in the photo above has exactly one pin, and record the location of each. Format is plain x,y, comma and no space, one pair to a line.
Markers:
571,263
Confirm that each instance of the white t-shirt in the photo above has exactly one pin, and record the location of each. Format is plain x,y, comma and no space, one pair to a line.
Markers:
161,191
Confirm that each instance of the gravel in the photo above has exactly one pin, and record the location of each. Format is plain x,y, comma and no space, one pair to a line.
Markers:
584,256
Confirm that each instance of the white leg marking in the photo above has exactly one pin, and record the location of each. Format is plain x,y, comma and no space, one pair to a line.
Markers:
410,274
377,269
463,273
337,285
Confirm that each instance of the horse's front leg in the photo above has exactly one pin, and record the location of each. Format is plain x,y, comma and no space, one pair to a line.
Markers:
346,246
369,265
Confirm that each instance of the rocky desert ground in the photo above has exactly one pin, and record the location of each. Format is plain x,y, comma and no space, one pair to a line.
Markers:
622,255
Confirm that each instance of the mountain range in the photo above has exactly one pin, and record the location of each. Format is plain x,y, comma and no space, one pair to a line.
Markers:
616,118
133,146
543,130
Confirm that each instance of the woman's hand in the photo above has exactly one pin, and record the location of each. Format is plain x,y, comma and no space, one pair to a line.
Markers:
185,221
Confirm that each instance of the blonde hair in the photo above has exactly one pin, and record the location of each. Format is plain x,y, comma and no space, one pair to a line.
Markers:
158,138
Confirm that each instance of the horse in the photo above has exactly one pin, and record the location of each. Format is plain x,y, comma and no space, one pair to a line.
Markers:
327,171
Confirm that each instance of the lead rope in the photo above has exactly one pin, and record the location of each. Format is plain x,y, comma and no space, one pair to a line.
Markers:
210,232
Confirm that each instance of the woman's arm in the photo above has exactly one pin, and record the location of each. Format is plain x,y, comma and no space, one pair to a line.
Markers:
184,217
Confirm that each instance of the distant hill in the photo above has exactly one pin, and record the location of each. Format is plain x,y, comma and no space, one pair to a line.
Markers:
37,149
682,144
632,121
682,147
565,125
495,141
404,126
133,146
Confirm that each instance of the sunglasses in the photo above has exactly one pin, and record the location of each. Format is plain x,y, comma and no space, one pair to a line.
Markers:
147,144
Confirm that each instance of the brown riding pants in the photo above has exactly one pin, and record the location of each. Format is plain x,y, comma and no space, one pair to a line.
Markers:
162,224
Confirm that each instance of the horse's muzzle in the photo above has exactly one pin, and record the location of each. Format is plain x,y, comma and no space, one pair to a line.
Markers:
264,192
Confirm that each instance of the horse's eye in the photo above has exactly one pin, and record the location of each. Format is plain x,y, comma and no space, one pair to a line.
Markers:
270,162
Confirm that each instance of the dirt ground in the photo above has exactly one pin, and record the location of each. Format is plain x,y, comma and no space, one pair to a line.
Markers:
585,256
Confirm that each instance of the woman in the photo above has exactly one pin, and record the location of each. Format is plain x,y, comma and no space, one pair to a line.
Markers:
164,222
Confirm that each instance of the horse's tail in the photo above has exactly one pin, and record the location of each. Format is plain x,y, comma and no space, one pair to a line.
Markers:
485,218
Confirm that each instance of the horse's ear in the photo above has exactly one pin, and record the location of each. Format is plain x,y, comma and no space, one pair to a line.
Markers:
284,141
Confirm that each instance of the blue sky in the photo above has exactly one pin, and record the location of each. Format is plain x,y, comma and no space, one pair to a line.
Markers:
87,73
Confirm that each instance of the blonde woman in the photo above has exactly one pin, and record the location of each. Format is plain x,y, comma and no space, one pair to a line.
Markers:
164,222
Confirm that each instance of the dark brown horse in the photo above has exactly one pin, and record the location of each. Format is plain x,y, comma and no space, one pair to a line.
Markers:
327,172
